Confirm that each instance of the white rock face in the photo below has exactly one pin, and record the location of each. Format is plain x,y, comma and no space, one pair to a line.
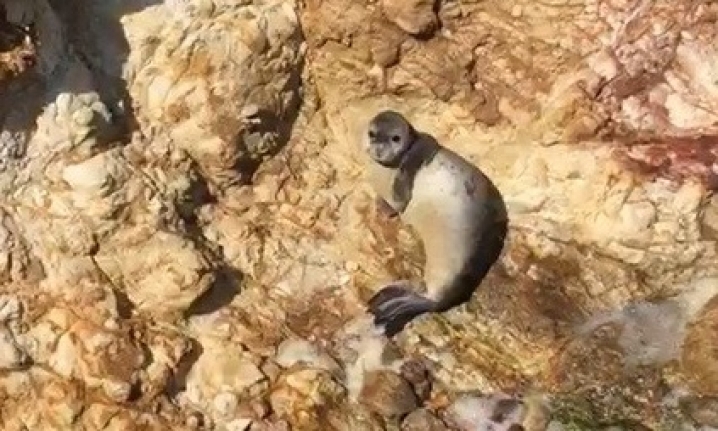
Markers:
11,356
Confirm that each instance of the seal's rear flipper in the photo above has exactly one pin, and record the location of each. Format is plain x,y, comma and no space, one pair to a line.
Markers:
395,306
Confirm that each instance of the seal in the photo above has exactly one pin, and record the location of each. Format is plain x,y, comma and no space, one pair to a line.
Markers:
457,211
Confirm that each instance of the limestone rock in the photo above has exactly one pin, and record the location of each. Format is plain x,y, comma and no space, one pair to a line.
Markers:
422,420
186,230
191,88
301,394
155,282
419,377
699,356
11,355
388,394
220,370
414,16
102,359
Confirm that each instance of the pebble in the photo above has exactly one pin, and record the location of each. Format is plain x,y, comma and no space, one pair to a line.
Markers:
388,394
423,420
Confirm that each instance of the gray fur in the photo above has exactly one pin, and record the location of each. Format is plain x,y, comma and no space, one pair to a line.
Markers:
456,210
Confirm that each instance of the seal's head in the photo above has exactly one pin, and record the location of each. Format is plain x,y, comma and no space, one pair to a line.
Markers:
389,136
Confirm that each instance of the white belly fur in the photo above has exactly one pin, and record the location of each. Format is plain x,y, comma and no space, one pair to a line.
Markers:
442,213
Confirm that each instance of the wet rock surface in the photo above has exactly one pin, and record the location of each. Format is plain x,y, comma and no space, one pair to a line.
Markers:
187,241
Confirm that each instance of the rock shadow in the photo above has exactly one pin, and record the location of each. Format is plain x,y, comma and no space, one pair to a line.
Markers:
222,292
91,32
178,382
125,307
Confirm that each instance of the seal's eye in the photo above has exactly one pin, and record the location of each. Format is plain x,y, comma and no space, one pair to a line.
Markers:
372,135
396,138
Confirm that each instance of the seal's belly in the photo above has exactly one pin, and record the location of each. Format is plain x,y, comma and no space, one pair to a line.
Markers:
447,218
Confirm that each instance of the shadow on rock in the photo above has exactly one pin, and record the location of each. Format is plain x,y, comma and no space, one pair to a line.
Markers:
72,37
219,295
178,382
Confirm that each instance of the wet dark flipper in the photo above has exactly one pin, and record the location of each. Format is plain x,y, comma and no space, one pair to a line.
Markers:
392,290
395,306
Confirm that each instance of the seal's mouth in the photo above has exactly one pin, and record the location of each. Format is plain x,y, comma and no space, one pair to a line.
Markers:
384,153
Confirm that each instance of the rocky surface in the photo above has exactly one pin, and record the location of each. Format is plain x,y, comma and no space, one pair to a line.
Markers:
187,241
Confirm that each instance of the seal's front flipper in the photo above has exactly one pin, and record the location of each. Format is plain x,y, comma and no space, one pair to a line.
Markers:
395,306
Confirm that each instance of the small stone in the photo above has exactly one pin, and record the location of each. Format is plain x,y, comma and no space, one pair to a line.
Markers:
388,394
256,409
300,393
117,391
415,372
423,420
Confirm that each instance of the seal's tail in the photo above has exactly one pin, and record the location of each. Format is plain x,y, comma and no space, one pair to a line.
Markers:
395,305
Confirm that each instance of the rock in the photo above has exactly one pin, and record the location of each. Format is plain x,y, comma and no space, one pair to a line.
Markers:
355,417
257,409
10,308
422,420
415,372
12,357
300,395
388,394
182,191
699,355
415,17
155,282
185,90
90,175
294,351
225,404
702,410
99,358
169,353
222,371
